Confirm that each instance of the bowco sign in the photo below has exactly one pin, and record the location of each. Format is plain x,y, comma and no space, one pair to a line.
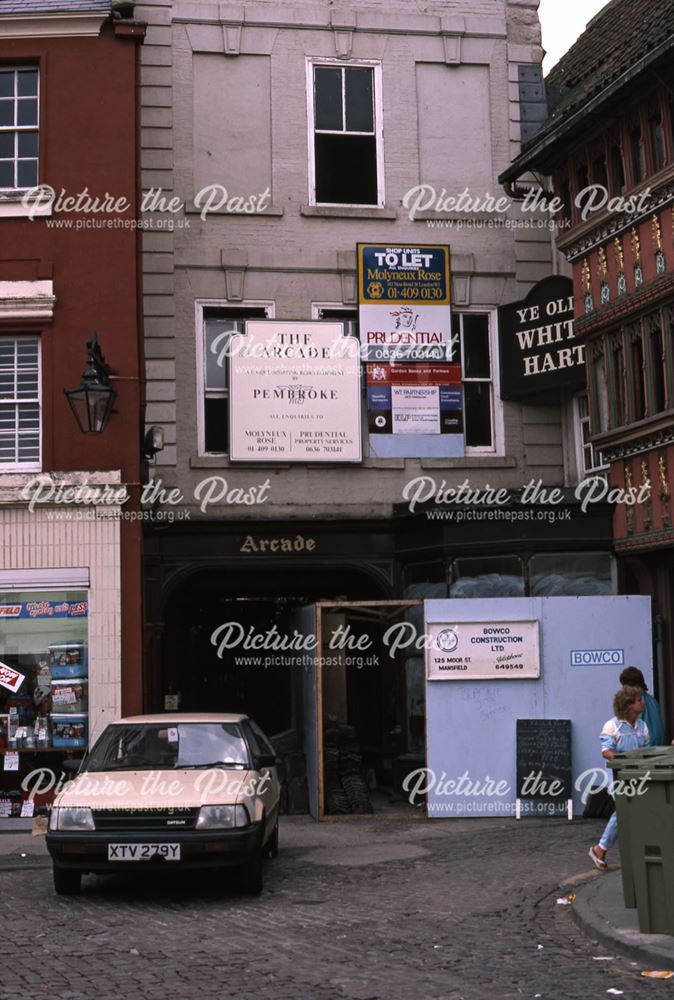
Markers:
537,341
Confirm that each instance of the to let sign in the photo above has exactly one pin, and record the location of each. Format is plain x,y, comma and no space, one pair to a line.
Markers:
537,343
482,651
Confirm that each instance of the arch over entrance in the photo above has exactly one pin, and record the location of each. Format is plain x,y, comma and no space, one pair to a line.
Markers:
231,637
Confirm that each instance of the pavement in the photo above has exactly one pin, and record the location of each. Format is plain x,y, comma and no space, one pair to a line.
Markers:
360,909
600,911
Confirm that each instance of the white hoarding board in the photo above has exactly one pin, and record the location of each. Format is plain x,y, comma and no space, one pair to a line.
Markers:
482,650
294,393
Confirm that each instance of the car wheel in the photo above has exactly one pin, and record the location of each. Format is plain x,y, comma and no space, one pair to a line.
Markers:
66,881
251,876
272,845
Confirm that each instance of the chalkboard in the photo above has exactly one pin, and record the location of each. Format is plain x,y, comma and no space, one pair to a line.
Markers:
544,761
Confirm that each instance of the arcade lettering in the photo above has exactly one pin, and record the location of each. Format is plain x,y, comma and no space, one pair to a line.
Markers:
297,544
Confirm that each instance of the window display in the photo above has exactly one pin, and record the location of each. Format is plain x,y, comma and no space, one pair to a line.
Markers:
44,689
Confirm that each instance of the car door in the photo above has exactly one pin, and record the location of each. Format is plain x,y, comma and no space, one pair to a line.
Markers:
270,790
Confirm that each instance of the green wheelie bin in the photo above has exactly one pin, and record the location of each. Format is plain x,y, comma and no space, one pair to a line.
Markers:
644,797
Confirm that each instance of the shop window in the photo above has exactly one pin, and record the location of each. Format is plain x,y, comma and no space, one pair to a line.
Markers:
656,129
590,462
495,576
19,403
617,168
418,576
577,574
43,652
346,140
217,326
474,331
19,127
637,151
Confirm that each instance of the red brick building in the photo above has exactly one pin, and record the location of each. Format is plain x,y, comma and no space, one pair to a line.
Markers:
608,146
70,562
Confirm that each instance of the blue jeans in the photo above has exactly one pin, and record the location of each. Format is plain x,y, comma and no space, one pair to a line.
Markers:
610,834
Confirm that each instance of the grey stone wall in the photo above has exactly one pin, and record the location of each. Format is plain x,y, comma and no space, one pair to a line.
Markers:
224,101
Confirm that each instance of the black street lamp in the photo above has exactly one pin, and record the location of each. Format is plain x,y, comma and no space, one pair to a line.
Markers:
93,400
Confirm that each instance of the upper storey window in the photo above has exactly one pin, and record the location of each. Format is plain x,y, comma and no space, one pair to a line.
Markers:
19,136
656,127
346,152
637,151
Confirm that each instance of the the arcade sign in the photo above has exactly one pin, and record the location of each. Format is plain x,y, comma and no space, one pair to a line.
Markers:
538,348
294,393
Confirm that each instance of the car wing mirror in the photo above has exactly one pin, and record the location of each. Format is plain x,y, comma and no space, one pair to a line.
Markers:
72,765
265,760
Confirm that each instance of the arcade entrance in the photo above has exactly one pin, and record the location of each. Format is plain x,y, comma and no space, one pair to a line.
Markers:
333,682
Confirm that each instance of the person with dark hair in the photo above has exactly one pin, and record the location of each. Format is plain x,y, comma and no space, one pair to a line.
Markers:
633,677
625,731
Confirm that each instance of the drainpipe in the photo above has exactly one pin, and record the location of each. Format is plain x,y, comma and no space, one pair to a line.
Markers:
661,687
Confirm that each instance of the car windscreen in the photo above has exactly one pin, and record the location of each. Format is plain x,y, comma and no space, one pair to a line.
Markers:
148,747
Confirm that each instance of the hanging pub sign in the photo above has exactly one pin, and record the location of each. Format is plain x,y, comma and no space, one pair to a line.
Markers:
537,343
294,393
414,393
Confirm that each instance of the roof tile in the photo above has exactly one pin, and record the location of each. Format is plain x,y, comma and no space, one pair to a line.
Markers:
615,39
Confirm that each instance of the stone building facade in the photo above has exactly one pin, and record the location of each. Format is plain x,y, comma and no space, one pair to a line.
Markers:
330,125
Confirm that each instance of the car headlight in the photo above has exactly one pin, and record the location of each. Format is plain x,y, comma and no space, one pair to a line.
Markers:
71,818
222,817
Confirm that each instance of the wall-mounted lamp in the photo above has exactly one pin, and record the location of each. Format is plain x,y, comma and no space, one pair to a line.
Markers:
93,399
153,442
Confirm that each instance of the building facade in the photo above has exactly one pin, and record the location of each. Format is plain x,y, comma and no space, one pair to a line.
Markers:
609,148
276,139
70,538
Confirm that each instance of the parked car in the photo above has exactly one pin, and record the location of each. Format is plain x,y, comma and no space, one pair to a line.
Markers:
176,791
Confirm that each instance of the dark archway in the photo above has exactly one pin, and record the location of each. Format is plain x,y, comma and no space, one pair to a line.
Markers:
207,609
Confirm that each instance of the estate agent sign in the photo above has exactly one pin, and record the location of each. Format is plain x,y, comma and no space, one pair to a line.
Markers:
403,296
414,393
482,651
538,348
294,393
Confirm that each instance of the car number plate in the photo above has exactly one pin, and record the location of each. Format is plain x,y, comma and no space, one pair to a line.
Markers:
143,852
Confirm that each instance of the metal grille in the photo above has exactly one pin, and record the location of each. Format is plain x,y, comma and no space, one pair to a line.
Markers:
123,820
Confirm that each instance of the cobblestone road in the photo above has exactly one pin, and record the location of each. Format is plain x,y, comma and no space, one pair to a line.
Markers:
351,911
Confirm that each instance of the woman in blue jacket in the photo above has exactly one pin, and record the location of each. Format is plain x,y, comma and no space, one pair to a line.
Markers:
625,731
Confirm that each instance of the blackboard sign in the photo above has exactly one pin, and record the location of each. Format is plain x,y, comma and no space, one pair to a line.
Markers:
538,349
544,762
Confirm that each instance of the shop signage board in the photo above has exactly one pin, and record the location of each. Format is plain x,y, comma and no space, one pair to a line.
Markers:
489,650
472,729
45,609
294,393
537,344
403,303
10,678
414,398
405,323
